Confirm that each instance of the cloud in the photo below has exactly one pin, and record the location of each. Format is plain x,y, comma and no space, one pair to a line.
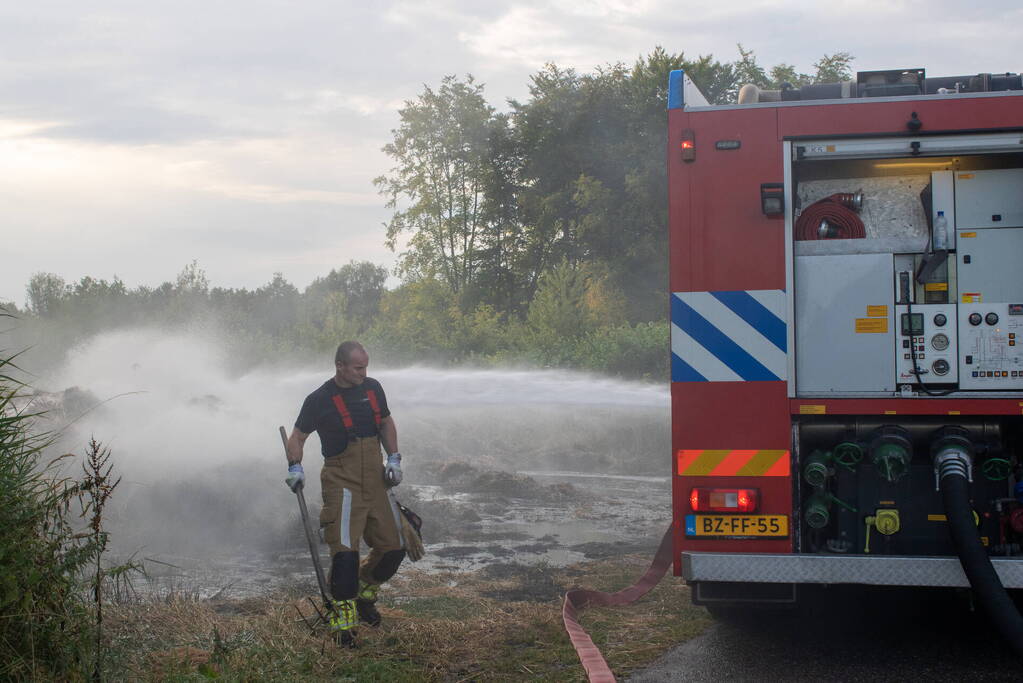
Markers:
328,100
606,9
145,125
524,35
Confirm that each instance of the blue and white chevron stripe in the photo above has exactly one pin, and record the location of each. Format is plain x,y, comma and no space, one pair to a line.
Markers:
728,336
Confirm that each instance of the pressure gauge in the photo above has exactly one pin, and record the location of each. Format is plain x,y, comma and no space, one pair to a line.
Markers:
940,320
975,318
939,342
991,318
940,367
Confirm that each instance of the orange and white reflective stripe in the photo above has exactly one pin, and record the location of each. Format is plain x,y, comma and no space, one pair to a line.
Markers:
733,463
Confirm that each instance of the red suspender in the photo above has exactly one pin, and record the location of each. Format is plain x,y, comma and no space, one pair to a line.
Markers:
346,417
371,395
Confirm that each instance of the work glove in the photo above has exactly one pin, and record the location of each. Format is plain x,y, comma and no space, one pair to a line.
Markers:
392,472
296,477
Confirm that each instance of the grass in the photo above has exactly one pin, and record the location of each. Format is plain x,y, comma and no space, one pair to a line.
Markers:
438,626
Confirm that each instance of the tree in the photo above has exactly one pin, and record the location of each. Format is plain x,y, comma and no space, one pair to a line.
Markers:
746,70
572,301
723,87
416,320
592,179
45,292
352,291
275,307
192,279
834,68
444,162
786,73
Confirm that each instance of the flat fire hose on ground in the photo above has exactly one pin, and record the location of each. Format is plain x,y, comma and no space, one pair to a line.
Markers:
312,538
579,599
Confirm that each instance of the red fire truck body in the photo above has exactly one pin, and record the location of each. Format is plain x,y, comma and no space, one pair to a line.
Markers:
807,419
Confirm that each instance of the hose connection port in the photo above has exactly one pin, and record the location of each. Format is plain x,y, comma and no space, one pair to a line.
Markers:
952,451
890,451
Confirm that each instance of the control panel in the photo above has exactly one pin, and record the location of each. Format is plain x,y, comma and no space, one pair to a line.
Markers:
925,344
991,346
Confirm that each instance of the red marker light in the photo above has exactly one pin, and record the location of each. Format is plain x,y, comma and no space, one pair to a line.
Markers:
688,145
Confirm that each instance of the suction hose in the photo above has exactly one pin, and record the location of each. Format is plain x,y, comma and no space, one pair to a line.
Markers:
952,460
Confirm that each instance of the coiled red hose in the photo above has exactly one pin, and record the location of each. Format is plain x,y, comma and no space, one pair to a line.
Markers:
842,222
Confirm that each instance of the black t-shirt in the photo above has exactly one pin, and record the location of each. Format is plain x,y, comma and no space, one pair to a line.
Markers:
320,414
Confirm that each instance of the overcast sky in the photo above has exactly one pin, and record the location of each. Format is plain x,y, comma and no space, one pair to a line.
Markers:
138,136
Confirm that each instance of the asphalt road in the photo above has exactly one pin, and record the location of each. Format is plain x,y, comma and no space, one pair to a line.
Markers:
877,635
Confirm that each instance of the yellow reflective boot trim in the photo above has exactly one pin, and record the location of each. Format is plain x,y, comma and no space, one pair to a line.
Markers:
344,616
368,591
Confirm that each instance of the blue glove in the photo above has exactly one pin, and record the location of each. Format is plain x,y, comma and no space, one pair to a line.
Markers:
296,477
392,473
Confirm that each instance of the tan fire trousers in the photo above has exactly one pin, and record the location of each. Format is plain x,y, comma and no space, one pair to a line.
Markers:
356,504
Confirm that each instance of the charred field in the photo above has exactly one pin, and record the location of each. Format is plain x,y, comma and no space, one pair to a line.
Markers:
483,605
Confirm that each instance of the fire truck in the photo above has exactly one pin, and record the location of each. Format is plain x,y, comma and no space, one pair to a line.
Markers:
846,274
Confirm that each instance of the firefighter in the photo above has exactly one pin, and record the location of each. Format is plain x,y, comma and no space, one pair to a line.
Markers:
349,412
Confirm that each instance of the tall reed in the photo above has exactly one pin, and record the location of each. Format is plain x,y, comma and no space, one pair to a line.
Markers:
51,575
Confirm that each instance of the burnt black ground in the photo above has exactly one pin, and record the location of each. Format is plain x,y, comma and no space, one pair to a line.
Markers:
848,635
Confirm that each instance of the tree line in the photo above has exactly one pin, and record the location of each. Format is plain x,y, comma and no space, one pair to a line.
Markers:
535,234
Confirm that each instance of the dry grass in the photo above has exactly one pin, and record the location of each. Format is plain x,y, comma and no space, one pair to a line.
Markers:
499,624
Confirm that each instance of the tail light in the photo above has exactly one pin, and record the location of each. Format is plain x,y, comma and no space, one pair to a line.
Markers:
723,500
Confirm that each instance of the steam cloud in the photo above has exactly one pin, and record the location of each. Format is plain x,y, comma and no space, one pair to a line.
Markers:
202,462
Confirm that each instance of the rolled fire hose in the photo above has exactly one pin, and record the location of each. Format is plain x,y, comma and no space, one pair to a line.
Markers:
579,599
953,463
832,218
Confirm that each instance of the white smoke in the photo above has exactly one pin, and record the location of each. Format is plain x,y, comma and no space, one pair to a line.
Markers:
203,464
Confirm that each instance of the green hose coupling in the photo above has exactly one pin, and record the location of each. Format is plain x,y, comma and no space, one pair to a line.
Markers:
817,511
891,451
817,468
848,454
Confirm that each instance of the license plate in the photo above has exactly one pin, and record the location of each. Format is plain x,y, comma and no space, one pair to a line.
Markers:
737,526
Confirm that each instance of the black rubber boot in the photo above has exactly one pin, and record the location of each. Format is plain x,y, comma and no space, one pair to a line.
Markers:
346,638
368,613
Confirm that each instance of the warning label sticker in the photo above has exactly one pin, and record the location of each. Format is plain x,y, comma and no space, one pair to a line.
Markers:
972,298
877,311
871,325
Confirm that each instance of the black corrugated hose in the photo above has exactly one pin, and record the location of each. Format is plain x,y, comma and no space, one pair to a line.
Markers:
955,493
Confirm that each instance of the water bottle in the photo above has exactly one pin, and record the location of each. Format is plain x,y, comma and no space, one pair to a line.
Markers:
940,238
